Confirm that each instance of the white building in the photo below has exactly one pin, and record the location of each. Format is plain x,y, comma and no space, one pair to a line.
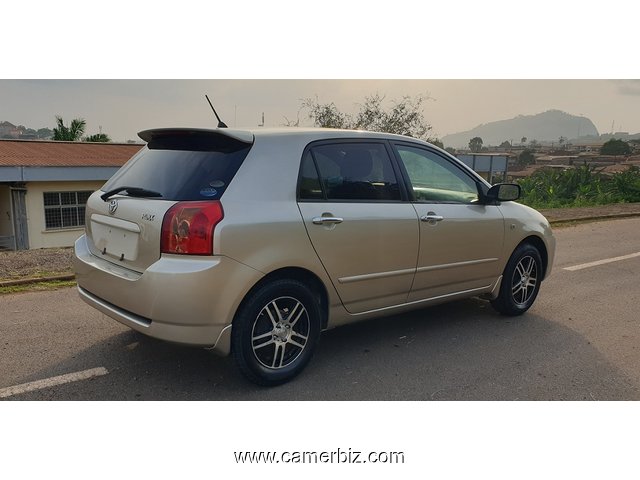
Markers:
44,186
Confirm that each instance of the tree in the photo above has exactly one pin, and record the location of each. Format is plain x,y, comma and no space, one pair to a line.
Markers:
405,117
562,140
98,137
475,144
526,158
326,115
45,133
437,142
505,144
72,133
615,147
523,140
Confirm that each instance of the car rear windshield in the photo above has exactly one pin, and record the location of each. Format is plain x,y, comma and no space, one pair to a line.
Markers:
183,168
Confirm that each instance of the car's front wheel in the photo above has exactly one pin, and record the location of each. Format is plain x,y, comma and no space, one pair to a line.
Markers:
520,281
276,331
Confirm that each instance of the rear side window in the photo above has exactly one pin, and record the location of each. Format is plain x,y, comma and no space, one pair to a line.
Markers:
310,188
182,169
349,171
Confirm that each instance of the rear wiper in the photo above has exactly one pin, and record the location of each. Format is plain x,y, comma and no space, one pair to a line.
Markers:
131,191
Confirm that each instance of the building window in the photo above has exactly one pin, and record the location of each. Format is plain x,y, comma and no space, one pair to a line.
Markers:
64,209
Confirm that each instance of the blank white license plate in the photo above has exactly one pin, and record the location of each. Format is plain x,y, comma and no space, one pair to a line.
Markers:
114,241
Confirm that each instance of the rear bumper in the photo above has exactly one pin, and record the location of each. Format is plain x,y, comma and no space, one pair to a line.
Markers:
188,300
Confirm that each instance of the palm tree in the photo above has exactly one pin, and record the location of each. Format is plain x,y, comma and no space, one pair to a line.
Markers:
98,137
72,133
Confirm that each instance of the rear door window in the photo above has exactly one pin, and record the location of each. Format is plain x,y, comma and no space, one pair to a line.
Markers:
183,169
350,171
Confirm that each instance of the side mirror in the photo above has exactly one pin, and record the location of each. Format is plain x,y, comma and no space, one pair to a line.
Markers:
504,192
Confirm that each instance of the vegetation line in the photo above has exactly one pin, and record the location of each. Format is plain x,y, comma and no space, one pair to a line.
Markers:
24,281
585,186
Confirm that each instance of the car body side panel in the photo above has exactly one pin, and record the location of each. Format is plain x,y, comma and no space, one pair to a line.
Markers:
371,255
262,226
522,222
462,251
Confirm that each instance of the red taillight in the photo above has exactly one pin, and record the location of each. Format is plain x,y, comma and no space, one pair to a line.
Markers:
187,228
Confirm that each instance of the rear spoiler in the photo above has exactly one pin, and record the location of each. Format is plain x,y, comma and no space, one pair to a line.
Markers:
242,136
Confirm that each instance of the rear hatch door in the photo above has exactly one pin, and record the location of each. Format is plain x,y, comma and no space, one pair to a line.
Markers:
177,165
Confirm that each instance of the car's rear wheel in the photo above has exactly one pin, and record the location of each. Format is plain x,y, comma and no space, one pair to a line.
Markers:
276,331
520,281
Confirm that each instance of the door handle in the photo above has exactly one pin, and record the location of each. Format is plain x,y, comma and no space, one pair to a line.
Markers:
432,218
327,220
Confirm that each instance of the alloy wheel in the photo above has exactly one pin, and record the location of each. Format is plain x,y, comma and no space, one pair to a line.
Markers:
280,332
524,280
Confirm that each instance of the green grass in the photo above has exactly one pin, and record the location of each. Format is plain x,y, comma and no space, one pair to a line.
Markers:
37,287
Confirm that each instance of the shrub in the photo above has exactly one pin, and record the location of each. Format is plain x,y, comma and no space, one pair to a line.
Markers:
579,187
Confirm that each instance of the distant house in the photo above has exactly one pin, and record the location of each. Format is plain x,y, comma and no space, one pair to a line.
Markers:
492,167
8,130
44,186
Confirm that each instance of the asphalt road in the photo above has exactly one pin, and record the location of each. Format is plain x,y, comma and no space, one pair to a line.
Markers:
580,341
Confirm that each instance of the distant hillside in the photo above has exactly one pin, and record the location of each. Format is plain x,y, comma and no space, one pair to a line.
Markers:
547,126
9,130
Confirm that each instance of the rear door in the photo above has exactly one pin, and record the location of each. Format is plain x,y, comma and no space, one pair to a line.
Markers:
176,165
461,240
362,228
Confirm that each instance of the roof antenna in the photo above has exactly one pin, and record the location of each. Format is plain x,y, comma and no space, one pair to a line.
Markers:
221,124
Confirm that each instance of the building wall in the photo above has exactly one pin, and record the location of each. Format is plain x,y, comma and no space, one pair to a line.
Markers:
39,236
6,228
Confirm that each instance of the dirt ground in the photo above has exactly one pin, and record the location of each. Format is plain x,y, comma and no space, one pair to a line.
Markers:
57,261
35,263
568,214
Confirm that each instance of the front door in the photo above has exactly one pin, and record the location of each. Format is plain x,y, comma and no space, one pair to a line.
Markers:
365,235
461,240
18,198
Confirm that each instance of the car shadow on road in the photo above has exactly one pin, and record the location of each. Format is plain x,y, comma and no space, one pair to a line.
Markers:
456,351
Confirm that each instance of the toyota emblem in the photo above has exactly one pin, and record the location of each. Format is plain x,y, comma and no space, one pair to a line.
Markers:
113,206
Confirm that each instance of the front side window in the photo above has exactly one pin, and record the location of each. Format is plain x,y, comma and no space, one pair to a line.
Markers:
435,179
65,209
354,171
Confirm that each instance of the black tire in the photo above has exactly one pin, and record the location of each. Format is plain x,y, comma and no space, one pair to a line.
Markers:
517,293
275,332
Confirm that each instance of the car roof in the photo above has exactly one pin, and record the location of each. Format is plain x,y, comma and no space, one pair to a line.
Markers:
248,135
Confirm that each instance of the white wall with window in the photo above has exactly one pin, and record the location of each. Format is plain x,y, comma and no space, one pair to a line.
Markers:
55,212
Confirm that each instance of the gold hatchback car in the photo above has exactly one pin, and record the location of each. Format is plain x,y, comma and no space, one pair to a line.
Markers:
251,243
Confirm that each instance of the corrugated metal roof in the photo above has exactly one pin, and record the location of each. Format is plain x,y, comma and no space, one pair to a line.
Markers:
37,153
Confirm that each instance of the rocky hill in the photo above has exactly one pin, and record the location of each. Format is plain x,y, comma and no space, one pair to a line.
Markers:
548,126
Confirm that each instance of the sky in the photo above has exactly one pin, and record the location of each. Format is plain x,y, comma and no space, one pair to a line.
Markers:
256,41
124,107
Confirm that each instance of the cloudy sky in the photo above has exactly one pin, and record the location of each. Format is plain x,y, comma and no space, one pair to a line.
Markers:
280,39
124,107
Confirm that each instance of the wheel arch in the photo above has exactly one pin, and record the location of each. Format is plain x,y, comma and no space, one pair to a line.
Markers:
539,244
302,275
